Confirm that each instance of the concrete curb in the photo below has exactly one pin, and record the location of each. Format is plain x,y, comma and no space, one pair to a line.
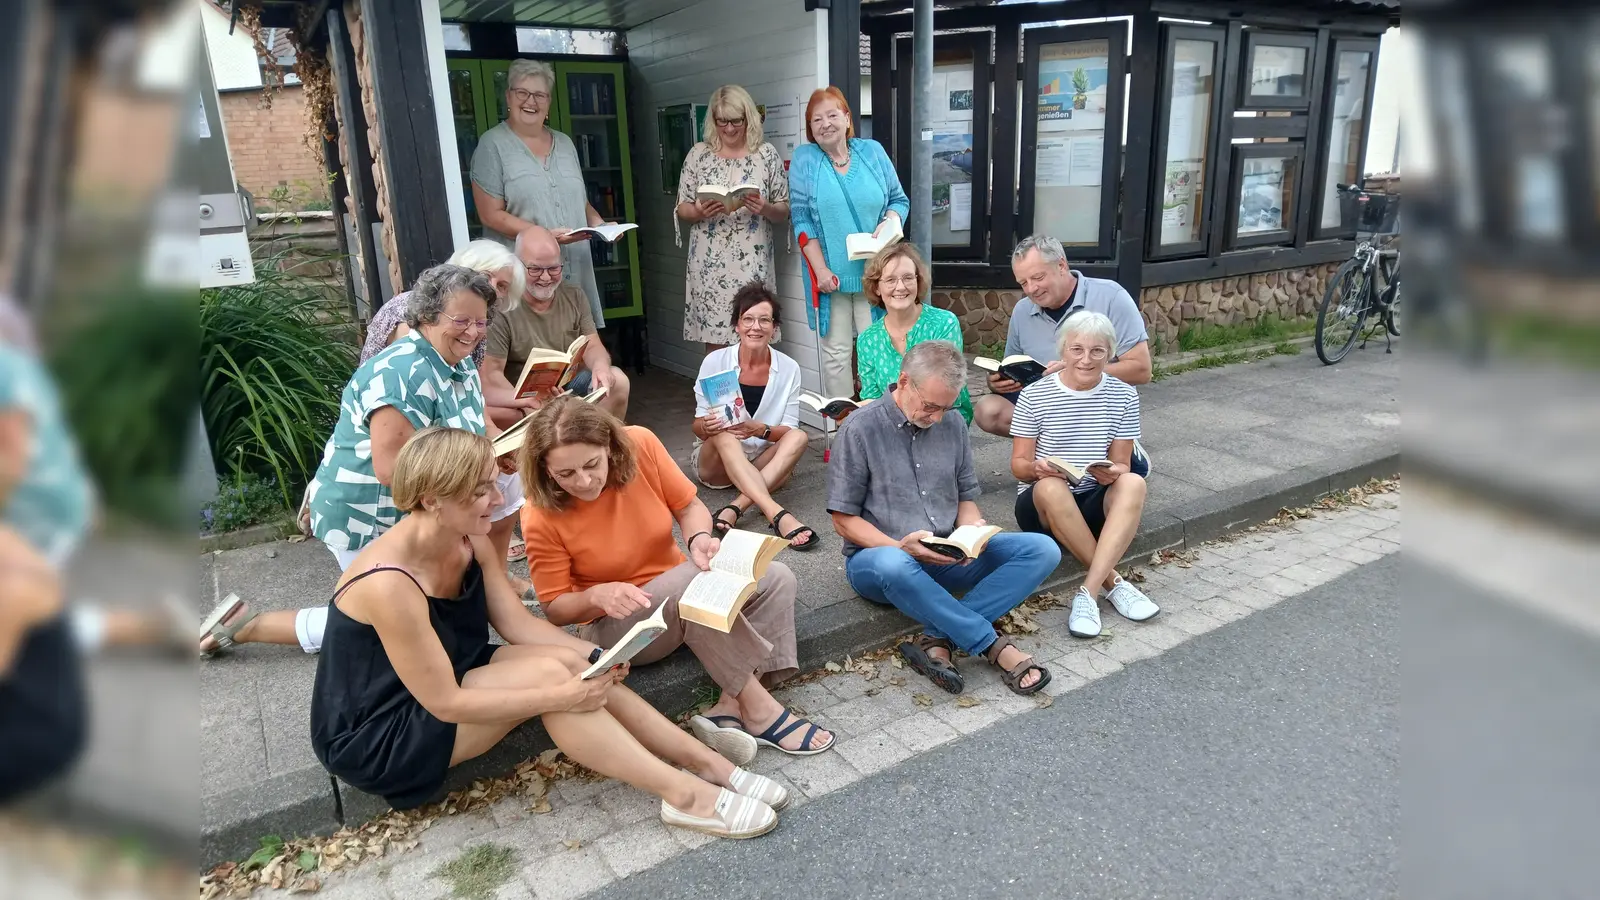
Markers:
248,537
311,803
1549,503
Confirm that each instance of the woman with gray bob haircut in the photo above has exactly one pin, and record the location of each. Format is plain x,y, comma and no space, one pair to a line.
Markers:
425,378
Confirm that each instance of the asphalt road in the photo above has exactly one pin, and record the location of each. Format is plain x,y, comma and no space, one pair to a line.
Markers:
1259,760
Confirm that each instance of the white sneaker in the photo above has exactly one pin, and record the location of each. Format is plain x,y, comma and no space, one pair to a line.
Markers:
1084,621
737,817
1131,602
759,787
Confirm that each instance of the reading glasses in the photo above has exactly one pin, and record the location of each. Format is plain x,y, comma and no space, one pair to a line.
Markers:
543,271
523,96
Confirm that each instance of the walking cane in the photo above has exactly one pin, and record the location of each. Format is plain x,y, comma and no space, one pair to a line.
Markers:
816,306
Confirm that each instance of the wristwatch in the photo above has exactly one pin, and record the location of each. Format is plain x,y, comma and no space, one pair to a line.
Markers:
767,433
595,654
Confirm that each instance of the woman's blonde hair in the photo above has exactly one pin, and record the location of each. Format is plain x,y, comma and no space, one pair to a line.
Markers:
564,421
489,257
881,260
735,99
523,69
439,462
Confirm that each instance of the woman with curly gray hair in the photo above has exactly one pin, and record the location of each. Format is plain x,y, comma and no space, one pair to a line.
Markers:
426,377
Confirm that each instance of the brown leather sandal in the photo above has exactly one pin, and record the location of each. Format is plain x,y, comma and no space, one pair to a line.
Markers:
941,672
1014,675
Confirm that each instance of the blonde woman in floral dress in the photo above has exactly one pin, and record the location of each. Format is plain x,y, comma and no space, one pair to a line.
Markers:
728,248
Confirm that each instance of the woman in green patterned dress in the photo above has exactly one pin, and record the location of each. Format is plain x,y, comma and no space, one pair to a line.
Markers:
896,281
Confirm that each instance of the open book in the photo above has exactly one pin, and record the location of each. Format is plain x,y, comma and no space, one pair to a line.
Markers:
510,440
835,408
1024,370
731,197
714,598
548,372
965,542
724,398
1072,473
637,638
607,232
866,245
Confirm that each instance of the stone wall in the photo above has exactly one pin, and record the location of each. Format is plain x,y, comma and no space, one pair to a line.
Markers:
1286,294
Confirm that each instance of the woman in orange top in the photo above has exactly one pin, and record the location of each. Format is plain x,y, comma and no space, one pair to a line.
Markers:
603,498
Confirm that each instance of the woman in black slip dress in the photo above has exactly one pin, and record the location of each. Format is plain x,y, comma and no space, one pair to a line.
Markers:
408,684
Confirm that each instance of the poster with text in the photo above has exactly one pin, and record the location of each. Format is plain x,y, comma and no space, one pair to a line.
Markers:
953,153
1071,96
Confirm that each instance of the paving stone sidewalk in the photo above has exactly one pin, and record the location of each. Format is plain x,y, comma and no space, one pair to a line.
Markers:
602,831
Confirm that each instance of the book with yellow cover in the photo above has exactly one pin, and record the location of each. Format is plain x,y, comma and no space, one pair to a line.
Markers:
966,542
714,598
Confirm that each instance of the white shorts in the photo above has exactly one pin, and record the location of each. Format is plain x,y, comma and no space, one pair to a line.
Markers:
750,453
511,490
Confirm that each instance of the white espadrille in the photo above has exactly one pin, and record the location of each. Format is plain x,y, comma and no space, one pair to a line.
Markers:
731,740
759,787
737,817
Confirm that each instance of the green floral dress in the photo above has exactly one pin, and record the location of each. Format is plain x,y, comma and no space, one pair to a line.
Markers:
879,361
728,251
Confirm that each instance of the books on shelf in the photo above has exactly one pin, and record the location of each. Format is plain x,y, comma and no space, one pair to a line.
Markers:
966,542
1024,370
730,197
547,372
714,598
835,408
1072,473
724,398
510,440
637,638
609,232
866,245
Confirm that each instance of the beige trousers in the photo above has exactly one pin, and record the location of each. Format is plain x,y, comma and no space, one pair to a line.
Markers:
761,642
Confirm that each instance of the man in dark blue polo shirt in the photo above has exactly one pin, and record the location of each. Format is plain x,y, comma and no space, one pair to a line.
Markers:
901,471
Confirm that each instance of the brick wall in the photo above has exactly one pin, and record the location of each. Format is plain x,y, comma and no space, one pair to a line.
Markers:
268,151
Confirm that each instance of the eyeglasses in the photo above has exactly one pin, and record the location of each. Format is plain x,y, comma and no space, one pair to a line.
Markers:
903,279
729,123
543,271
1095,353
929,409
463,323
522,96
757,321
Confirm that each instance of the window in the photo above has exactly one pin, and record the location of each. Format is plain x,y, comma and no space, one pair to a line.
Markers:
1263,192
1074,85
1345,143
1187,103
1277,70
960,127
456,37
1522,84
574,41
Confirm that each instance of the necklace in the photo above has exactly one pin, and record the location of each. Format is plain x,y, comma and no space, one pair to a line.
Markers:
841,165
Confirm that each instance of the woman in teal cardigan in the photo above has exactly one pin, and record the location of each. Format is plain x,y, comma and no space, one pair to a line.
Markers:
839,185
898,282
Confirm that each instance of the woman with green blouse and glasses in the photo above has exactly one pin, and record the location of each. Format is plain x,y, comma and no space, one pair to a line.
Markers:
896,281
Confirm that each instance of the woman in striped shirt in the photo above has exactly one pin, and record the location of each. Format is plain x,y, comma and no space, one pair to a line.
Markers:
1081,416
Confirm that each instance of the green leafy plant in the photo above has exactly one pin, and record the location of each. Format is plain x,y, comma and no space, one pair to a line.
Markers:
274,358
248,500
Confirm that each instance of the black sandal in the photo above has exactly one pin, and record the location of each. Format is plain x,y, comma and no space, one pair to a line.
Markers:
720,526
801,547
941,672
1014,675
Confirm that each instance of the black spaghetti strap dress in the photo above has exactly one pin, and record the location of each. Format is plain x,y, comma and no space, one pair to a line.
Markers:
366,728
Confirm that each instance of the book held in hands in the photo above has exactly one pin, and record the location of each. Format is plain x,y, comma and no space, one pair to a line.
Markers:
867,244
608,232
724,398
714,598
966,542
731,198
1024,370
548,372
1074,474
637,638
835,408
510,440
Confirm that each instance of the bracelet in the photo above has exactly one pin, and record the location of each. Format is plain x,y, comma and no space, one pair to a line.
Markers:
690,542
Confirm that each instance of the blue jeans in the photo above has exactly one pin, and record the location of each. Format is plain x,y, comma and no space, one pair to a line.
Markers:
1010,569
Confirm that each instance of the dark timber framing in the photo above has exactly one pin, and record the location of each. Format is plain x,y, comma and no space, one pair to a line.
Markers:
844,54
409,132
357,174
1136,161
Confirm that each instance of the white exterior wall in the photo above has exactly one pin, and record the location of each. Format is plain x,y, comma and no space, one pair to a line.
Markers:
233,56
778,52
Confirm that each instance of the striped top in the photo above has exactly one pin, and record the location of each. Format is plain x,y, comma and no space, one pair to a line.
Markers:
1077,426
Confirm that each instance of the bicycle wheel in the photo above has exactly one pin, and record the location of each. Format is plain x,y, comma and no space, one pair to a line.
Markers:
1391,291
1343,312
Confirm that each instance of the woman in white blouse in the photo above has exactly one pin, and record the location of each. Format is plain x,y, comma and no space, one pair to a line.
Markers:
755,456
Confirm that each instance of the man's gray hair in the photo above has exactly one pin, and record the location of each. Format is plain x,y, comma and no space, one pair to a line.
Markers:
1084,323
935,359
435,286
1049,248
531,68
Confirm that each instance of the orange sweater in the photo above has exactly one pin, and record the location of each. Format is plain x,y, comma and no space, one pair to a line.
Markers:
625,534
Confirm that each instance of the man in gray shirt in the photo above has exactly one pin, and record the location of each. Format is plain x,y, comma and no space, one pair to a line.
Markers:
1054,292
901,471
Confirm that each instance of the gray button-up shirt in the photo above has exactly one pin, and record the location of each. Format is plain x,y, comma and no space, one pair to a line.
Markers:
1033,332
898,477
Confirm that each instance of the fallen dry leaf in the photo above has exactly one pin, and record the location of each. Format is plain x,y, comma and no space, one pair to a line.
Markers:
896,680
922,699
833,667
897,662
1135,576
572,844
1043,701
967,701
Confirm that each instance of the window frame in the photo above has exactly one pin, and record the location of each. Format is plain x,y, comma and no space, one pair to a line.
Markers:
1115,34
1254,38
1171,33
981,45
1276,237
1338,44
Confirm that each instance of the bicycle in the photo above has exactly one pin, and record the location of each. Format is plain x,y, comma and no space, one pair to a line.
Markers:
1352,295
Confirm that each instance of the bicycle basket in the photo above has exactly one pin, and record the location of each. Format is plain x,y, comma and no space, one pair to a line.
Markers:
1373,212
